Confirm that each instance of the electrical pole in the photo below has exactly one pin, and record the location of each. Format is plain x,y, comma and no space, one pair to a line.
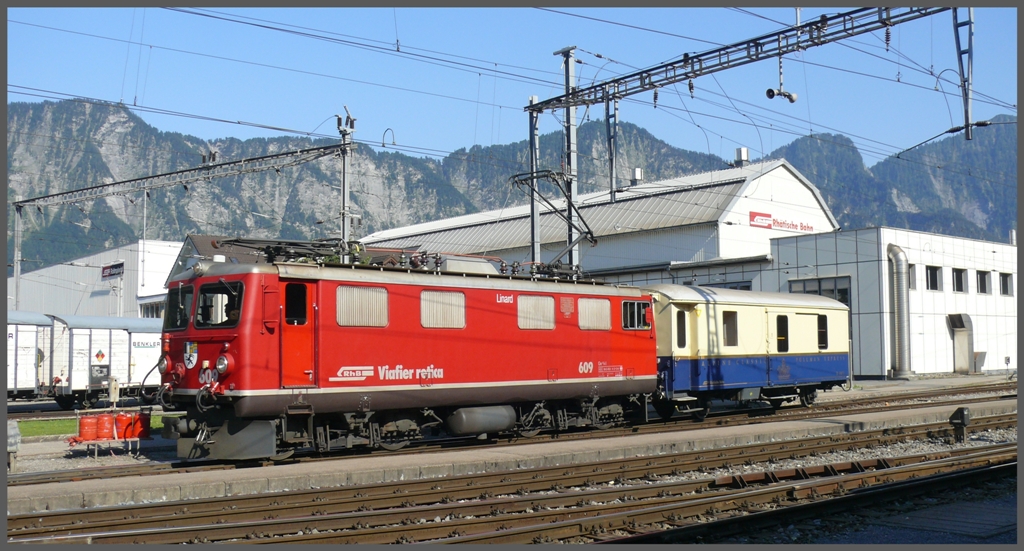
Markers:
346,131
966,76
534,199
611,119
571,187
17,254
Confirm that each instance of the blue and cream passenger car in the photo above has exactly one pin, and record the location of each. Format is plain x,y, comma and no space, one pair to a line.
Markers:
724,344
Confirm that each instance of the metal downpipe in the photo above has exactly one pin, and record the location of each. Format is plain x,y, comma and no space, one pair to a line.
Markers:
901,296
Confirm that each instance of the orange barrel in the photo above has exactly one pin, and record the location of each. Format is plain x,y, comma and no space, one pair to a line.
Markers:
143,425
87,427
105,427
134,427
123,426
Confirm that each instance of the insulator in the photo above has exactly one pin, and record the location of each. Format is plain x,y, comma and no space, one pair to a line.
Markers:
888,37
655,98
691,88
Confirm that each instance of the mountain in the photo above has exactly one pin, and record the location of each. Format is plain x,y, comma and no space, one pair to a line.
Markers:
60,146
952,186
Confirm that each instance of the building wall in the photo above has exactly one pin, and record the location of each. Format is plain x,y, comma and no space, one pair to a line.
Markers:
993,315
862,256
791,209
77,288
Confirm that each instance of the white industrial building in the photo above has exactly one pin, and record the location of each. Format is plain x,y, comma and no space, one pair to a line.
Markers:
764,227
125,282
724,214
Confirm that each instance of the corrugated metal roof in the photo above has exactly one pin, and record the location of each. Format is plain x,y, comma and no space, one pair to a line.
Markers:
695,199
132,325
20,317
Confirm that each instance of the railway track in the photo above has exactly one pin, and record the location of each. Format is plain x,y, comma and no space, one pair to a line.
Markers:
18,411
763,415
583,502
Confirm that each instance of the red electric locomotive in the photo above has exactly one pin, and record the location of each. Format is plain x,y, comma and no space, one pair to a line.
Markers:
303,352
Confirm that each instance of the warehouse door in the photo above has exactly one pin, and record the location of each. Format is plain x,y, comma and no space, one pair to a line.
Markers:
298,367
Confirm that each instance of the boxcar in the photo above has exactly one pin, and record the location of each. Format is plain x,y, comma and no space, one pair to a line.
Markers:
89,350
28,354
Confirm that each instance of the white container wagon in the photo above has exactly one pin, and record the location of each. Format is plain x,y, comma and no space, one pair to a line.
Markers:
28,354
88,352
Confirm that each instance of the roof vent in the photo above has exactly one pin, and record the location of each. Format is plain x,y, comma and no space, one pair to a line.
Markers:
742,157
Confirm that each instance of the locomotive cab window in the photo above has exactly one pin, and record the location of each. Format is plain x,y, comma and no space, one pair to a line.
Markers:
782,333
179,307
295,311
634,315
219,304
730,328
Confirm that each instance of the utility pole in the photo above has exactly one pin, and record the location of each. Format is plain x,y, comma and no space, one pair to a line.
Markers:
17,254
534,199
966,76
346,131
572,186
611,119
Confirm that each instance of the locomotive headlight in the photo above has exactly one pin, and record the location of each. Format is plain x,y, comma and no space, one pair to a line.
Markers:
222,364
161,366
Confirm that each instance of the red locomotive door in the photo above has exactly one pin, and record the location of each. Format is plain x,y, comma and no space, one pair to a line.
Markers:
298,368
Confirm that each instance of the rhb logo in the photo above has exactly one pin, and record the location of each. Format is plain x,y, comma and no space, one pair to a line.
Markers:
760,220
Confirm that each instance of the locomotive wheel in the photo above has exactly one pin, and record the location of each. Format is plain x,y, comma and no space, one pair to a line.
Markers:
65,402
807,400
665,410
528,433
394,446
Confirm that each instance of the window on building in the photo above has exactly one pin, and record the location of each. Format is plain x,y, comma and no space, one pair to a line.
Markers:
536,312
730,328
984,282
296,311
738,285
822,332
933,278
828,288
837,288
782,333
959,280
1006,285
912,277
153,310
443,309
362,306
634,315
680,329
595,314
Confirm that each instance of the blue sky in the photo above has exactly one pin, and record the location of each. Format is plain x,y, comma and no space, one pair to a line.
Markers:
447,78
